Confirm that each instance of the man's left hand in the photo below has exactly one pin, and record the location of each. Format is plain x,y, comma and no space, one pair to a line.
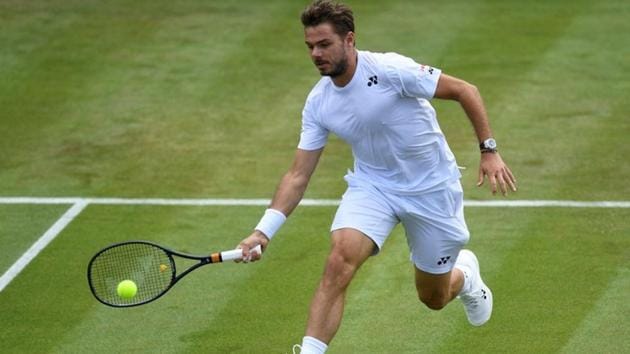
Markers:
498,173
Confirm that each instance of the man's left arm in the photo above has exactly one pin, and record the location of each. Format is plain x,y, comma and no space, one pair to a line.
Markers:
491,163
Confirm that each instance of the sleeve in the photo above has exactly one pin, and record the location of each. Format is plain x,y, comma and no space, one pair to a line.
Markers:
313,136
410,78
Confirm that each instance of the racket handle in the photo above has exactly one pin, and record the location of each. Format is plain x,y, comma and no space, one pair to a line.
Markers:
238,253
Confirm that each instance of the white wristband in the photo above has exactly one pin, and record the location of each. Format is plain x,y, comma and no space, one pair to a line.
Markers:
271,222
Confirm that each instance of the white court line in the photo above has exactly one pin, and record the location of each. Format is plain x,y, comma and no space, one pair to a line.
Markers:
548,203
40,244
159,201
78,204
306,202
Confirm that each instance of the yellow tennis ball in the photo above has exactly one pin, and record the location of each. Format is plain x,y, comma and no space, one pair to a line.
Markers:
127,289
163,268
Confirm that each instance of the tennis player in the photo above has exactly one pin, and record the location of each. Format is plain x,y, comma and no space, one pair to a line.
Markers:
404,172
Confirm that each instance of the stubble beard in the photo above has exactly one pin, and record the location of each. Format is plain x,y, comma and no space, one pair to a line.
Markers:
337,69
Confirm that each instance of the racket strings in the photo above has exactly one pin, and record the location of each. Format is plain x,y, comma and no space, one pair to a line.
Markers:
149,267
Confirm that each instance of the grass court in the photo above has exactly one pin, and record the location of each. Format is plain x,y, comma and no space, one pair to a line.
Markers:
199,100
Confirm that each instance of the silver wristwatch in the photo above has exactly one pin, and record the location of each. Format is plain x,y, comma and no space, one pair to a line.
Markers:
488,145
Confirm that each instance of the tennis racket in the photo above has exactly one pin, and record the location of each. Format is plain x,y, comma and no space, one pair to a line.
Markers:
151,268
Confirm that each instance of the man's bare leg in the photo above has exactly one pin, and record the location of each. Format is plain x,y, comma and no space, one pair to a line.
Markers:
437,290
350,248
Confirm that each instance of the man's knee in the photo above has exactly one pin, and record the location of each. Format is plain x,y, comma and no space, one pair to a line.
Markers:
434,301
434,290
350,248
339,270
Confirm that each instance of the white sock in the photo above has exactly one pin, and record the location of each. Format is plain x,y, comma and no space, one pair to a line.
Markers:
312,345
467,280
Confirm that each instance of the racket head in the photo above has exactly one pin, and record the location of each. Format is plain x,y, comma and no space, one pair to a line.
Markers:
150,266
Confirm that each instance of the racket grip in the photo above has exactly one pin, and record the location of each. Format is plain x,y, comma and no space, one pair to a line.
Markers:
238,253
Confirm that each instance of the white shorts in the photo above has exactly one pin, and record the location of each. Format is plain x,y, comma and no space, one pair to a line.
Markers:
433,221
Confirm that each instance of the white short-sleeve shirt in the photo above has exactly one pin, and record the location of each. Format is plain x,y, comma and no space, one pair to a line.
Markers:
385,115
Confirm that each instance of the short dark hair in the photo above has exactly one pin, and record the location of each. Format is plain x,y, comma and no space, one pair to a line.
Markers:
325,11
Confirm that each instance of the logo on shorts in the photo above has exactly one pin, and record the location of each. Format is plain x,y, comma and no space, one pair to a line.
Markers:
424,68
443,260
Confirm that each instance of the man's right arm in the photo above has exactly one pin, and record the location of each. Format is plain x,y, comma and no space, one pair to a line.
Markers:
288,194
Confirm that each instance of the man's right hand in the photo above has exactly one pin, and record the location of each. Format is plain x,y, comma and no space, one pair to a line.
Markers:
253,240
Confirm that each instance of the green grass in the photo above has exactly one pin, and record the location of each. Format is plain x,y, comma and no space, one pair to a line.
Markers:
20,226
202,99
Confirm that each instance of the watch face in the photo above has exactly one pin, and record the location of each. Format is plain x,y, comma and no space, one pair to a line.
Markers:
490,143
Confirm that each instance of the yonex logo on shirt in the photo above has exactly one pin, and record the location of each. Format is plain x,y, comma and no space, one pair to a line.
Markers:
373,80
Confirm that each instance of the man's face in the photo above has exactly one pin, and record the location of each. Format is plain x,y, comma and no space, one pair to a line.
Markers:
327,49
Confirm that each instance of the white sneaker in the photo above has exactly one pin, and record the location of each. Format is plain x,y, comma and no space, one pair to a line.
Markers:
478,299
297,347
